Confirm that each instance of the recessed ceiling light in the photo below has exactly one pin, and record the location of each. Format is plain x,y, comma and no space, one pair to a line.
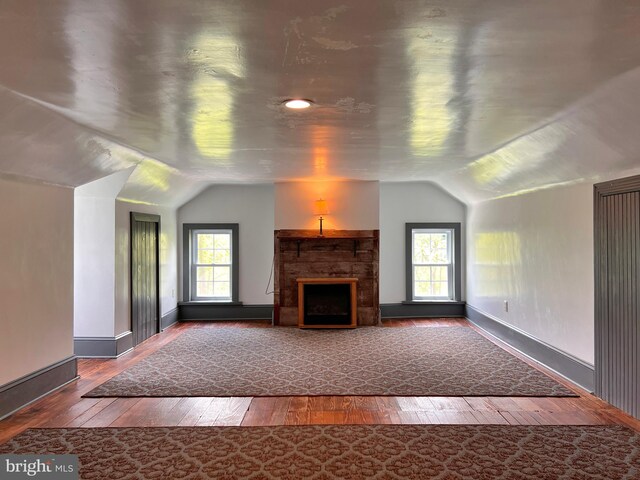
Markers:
297,103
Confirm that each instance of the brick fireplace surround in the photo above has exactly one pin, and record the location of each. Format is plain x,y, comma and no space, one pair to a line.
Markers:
336,254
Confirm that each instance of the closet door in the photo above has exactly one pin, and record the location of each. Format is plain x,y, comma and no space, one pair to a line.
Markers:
617,297
145,308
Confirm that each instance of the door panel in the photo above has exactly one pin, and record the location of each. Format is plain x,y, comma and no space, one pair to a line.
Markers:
617,277
145,307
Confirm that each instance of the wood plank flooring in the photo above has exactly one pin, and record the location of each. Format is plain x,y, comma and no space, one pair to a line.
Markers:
66,408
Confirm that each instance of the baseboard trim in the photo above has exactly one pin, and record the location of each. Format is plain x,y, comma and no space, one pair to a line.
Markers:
573,369
103,347
212,311
124,343
169,319
25,390
422,309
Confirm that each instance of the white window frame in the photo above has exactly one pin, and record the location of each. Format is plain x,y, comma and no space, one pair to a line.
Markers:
451,271
189,261
194,264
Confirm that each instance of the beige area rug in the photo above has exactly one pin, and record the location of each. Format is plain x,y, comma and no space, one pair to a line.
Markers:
253,362
344,451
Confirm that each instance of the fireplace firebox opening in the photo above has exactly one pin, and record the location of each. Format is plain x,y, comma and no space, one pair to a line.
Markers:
327,303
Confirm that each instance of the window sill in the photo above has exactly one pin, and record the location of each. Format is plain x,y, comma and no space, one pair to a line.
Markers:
209,303
432,302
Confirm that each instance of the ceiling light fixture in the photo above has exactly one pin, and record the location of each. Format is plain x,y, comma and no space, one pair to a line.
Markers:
297,103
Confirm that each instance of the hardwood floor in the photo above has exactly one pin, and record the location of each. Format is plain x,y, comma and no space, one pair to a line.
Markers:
66,408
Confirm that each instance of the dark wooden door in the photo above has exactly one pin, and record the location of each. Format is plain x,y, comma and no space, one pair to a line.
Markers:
617,295
145,307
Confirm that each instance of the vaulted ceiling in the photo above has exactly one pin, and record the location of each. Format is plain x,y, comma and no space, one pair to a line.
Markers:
487,98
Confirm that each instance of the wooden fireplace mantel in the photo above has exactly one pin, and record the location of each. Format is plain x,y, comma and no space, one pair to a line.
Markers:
328,234
328,281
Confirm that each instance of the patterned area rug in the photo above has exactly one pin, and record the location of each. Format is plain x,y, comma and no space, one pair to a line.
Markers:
253,362
344,451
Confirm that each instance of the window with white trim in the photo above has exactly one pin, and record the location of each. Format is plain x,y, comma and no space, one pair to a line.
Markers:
210,264
433,262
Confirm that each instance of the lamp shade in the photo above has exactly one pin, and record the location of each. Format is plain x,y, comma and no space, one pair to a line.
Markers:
320,207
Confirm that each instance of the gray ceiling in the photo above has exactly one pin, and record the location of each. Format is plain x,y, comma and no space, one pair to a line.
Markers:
487,98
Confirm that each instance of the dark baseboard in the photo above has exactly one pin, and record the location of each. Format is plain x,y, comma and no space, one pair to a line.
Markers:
124,343
25,390
103,347
217,311
168,319
422,309
572,368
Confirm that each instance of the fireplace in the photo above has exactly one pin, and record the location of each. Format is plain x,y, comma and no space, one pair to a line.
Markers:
327,302
338,255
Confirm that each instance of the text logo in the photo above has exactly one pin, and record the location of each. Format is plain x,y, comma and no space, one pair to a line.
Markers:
50,467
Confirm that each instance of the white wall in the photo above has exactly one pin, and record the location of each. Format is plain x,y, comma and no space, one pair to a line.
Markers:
351,205
536,252
94,258
36,277
252,207
168,260
402,203
94,255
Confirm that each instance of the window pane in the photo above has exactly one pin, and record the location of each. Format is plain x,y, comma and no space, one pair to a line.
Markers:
222,241
421,247
222,274
222,256
422,274
440,289
221,289
444,275
204,240
423,289
205,274
204,289
431,281
431,248
205,256
439,250
439,274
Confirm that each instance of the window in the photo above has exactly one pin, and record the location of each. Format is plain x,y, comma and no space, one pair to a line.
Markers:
433,262
210,262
